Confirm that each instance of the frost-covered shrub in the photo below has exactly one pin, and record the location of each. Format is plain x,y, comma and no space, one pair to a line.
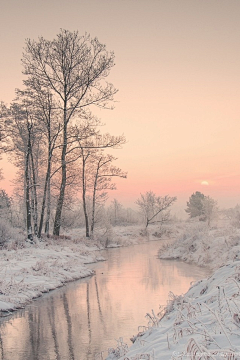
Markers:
164,230
5,232
232,215
11,238
120,350
204,246
5,205
106,235
193,229
144,232
15,244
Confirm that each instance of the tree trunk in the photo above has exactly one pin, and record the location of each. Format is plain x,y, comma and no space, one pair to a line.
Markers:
46,193
34,194
44,201
84,198
28,207
48,208
94,201
58,215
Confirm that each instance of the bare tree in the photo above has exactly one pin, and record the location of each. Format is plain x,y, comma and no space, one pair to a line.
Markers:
3,134
117,209
24,139
95,166
5,206
102,175
152,206
73,69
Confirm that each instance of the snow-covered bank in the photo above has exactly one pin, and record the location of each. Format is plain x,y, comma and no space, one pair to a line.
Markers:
27,271
204,246
202,324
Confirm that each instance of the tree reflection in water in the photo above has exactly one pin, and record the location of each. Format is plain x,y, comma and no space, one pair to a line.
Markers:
51,317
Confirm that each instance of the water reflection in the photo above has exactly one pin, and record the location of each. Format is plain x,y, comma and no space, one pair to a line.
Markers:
84,318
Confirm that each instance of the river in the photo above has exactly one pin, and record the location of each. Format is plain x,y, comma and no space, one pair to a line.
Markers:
83,318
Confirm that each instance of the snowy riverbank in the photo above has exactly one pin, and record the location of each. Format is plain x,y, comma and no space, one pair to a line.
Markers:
205,322
27,271
202,324
204,246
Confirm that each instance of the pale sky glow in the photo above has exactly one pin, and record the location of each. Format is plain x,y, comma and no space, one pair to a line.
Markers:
178,74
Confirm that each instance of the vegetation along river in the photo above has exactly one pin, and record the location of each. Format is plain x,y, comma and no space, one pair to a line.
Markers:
84,318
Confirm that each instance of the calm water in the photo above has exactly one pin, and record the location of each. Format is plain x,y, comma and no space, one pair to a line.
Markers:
85,317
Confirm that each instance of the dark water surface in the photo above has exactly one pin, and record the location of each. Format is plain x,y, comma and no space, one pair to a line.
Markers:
85,317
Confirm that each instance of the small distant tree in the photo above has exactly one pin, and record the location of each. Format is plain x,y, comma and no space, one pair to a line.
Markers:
195,204
117,214
152,206
209,209
3,135
202,206
5,205
116,208
233,215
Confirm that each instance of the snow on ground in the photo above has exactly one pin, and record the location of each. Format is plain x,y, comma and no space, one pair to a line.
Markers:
27,271
205,322
204,246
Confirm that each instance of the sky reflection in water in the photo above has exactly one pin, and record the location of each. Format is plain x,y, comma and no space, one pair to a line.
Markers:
84,318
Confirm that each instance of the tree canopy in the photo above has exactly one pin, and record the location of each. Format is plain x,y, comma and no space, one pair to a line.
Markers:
201,206
195,204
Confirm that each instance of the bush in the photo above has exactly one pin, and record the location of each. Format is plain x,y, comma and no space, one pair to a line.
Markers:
5,232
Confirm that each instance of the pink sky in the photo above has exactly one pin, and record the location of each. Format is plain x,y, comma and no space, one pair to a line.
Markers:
178,74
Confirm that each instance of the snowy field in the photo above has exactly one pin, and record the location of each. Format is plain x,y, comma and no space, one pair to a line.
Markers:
205,322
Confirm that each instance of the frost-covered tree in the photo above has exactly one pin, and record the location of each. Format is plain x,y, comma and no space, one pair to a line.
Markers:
154,208
117,214
5,205
3,134
24,144
102,174
209,209
202,206
195,204
97,172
